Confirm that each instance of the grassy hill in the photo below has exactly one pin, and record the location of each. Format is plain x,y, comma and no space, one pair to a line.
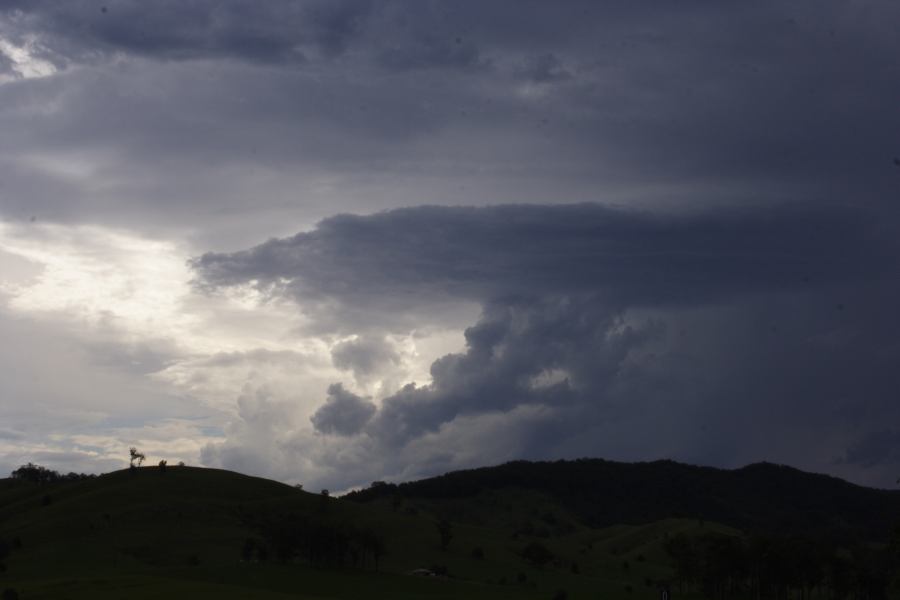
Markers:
181,533
206,533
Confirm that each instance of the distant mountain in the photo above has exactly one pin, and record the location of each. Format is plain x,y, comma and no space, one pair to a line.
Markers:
760,497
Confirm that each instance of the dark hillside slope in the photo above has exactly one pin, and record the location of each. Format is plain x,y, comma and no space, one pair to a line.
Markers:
759,497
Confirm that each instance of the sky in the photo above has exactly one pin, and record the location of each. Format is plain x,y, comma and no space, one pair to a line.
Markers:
337,241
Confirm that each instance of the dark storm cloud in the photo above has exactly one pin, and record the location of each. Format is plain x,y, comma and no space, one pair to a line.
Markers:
508,351
344,413
763,378
718,337
402,258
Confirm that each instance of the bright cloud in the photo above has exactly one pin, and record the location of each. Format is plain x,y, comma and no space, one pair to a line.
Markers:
24,62
205,362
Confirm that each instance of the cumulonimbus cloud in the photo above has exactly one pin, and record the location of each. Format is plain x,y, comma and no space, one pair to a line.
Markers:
596,318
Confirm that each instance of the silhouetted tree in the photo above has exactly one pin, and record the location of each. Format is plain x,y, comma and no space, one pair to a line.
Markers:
162,466
35,474
135,456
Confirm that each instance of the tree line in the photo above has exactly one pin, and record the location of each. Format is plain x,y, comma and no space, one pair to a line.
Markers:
38,474
600,493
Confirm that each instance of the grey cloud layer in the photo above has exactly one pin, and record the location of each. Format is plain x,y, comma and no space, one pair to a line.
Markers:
269,32
290,108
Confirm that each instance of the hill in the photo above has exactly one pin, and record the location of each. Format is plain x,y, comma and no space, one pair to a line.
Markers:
521,530
761,497
206,533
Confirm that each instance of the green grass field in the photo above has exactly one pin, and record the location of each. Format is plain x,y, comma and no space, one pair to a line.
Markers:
180,533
